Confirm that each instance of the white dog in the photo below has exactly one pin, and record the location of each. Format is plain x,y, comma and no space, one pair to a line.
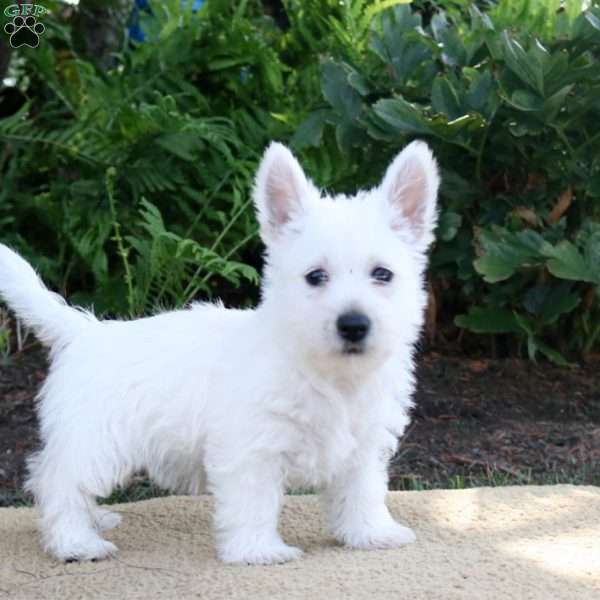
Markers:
310,388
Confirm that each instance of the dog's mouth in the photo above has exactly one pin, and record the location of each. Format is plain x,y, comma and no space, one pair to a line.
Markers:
353,348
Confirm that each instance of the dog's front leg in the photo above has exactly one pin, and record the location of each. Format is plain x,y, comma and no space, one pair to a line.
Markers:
248,500
354,503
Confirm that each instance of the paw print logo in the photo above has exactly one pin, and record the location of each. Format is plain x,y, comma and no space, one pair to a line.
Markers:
24,31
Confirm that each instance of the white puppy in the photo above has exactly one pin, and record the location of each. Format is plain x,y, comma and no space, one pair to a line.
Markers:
311,388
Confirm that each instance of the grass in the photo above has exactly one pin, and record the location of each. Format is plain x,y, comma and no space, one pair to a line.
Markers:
5,333
16,498
143,489
491,477
140,489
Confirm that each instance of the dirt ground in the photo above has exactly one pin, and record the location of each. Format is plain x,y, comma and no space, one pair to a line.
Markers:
476,422
498,422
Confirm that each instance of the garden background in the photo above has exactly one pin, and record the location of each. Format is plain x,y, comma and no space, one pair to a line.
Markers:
131,133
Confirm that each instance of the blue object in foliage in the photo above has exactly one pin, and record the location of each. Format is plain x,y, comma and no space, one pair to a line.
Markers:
196,5
136,33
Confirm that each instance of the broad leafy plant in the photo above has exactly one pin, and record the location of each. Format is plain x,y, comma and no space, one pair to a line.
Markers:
507,94
130,187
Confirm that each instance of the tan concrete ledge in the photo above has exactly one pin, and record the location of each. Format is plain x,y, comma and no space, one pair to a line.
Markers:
512,542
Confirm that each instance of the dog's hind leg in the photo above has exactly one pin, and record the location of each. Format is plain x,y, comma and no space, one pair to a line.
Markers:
68,511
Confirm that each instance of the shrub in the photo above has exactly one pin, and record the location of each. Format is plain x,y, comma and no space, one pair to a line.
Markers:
131,187
508,98
135,182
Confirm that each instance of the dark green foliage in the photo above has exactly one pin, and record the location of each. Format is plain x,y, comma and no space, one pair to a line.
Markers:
171,132
508,98
130,188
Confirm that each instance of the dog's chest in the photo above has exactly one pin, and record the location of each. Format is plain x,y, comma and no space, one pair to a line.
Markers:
320,443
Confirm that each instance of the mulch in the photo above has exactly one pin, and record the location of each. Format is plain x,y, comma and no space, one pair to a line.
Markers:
509,420
475,422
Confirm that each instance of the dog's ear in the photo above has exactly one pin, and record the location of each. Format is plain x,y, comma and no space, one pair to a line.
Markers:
410,189
281,190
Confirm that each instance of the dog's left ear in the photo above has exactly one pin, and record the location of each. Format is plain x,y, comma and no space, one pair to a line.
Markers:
281,191
410,188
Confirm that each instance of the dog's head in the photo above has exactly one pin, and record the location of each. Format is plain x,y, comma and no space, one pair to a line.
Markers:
343,278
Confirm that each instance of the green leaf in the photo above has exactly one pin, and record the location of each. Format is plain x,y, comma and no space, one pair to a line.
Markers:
567,262
555,70
401,43
448,130
526,100
449,225
482,86
444,98
401,115
521,63
310,131
591,253
488,320
496,268
219,64
358,82
555,356
592,19
553,104
181,144
549,301
453,49
593,186
525,125
338,92
506,252
348,135
525,324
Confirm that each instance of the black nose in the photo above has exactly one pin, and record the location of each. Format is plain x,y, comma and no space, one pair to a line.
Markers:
353,326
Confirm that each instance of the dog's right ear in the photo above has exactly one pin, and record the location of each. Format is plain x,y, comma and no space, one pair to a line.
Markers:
280,191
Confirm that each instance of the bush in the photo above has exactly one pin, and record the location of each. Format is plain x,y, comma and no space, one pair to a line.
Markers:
134,183
508,98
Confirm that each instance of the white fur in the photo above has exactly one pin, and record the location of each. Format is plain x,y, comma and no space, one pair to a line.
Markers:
244,403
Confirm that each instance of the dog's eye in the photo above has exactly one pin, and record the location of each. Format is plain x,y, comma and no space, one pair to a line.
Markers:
381,274
316,277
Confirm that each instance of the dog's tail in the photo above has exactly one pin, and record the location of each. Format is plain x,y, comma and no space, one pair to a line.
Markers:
53,321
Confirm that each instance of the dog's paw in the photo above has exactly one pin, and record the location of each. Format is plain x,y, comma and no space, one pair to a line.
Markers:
92,548
390,535
259,554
